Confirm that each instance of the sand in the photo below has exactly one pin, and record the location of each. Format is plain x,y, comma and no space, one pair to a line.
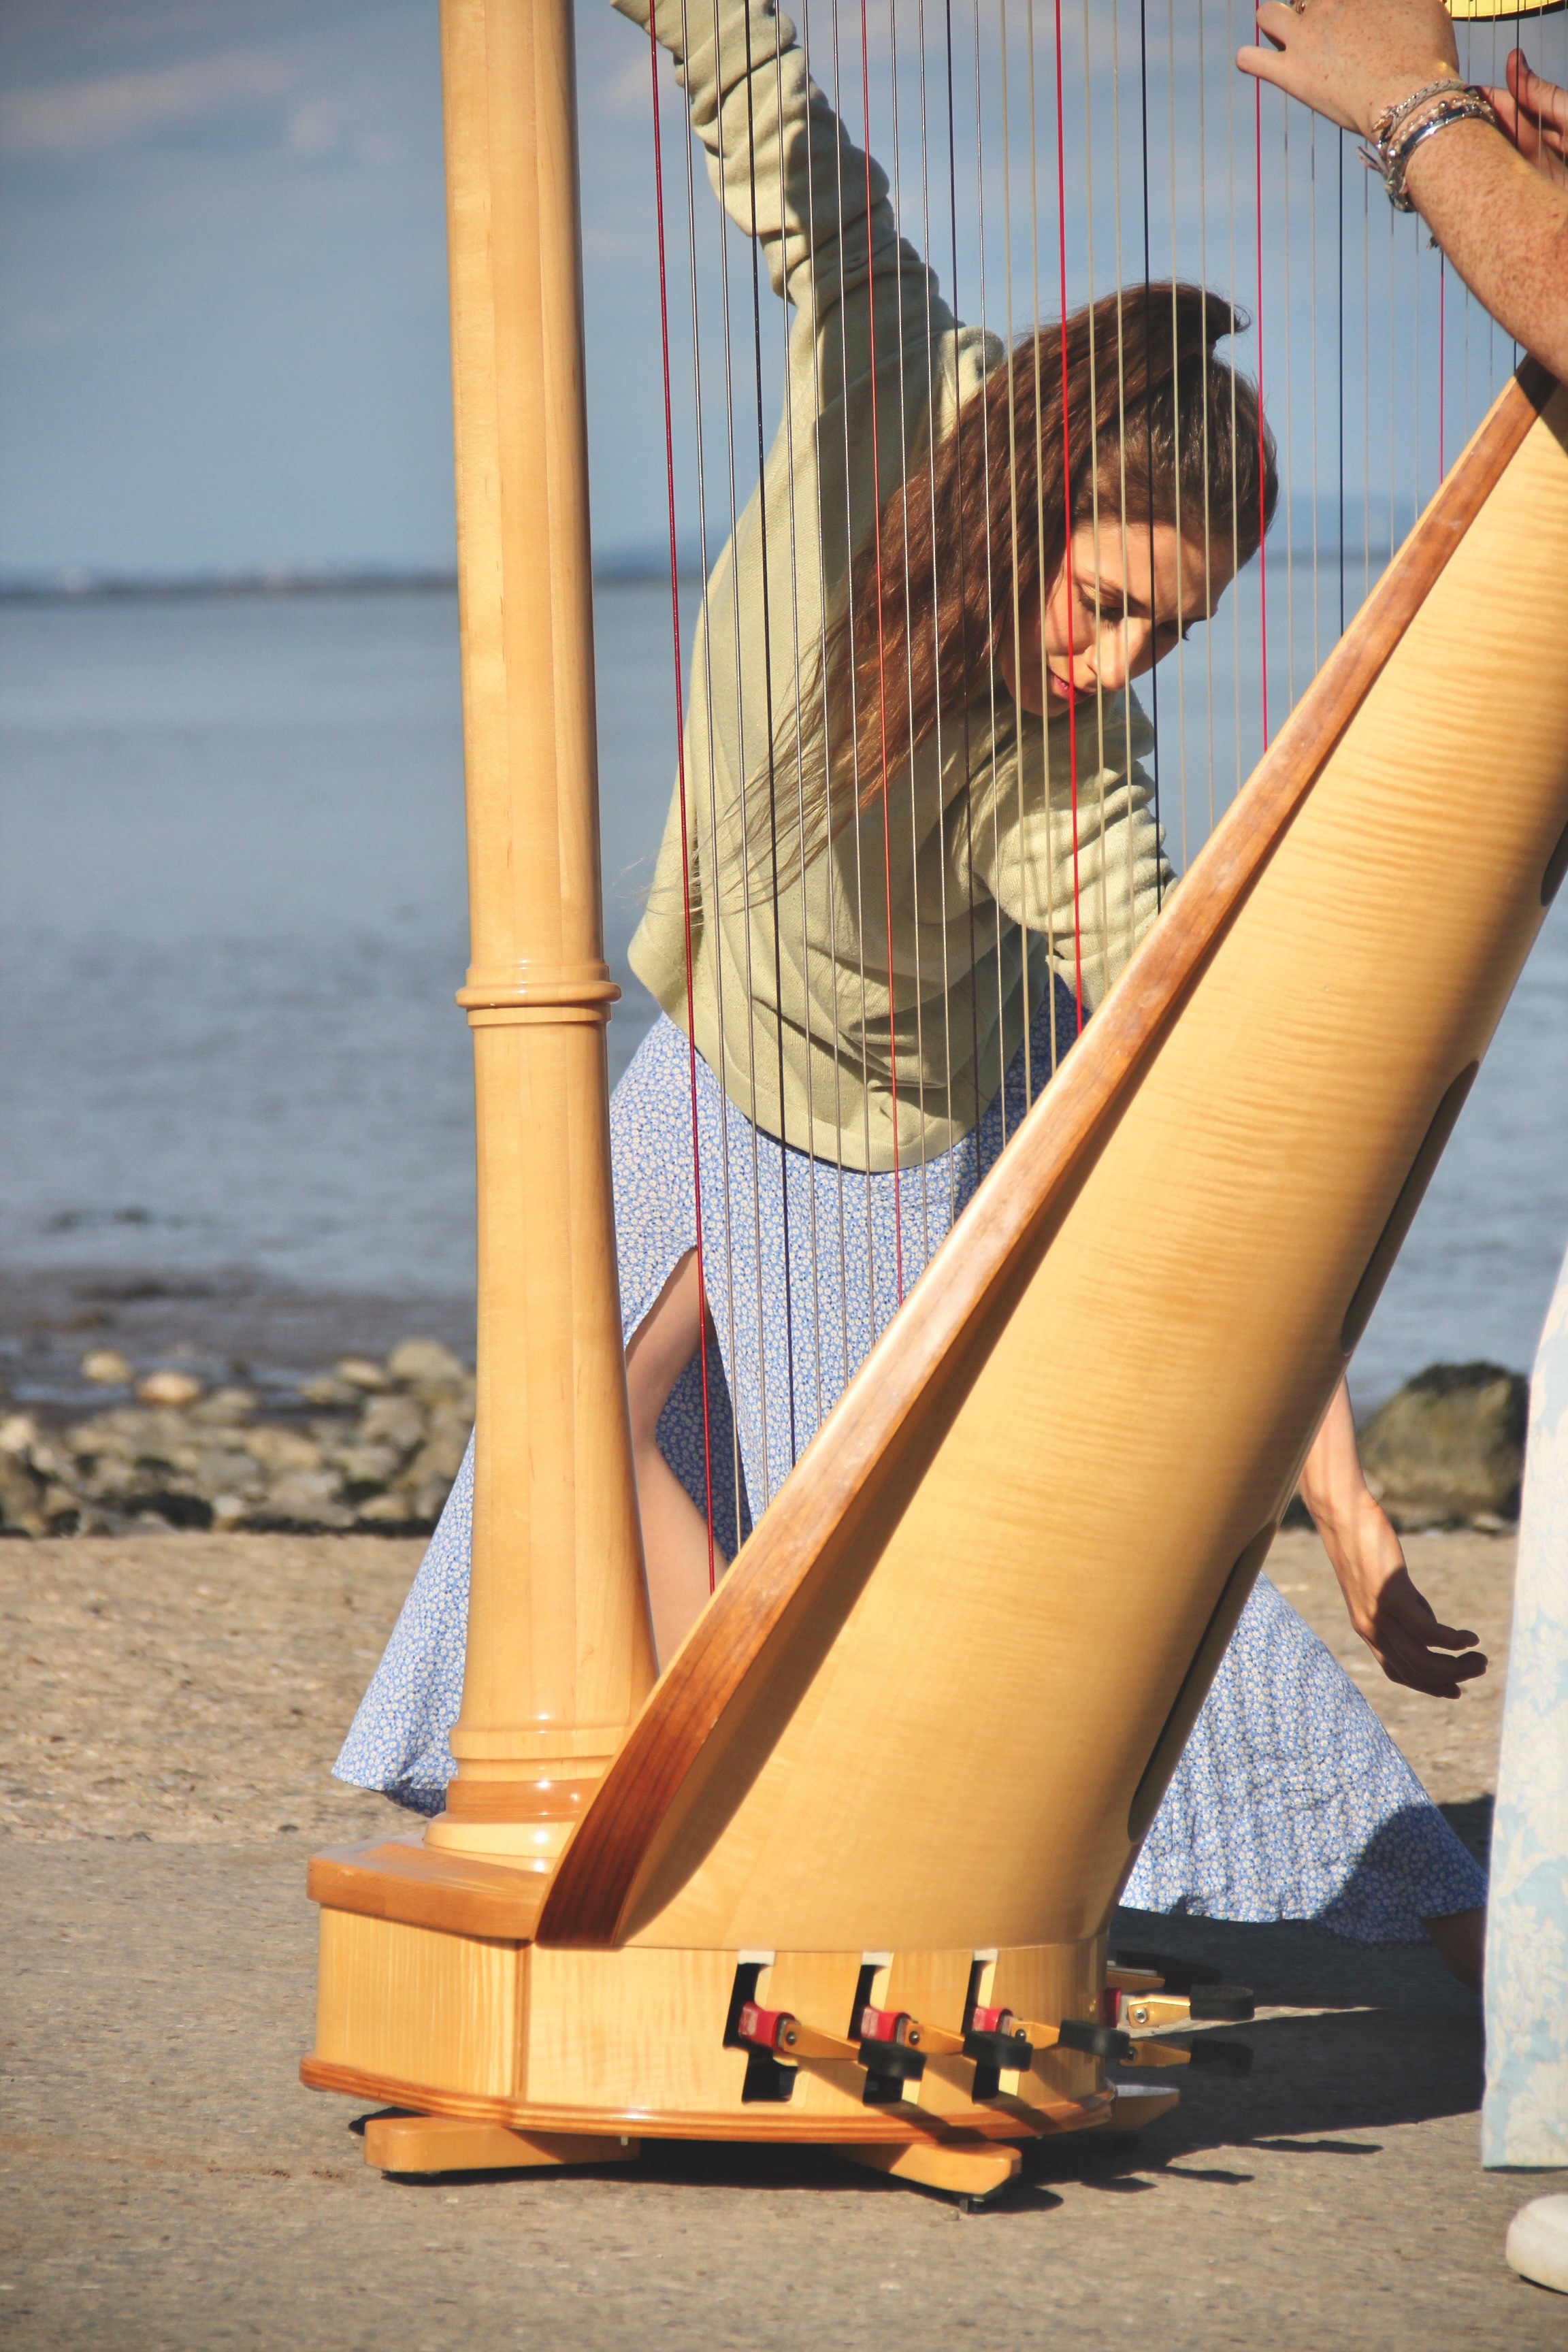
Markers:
174,1705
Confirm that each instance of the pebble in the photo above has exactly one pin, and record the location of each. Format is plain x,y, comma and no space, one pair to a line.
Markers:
107,1366
168,1388
424,1363
380,1452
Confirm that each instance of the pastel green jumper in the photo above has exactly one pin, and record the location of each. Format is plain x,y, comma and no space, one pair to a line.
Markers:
813,1008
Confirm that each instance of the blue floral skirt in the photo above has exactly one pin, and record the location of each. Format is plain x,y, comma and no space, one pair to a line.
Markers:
1290,1800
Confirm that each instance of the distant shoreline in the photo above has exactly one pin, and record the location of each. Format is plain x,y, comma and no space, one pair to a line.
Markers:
623,568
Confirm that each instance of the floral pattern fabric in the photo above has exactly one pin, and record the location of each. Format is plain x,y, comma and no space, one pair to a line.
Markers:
1524,2116
1290,1799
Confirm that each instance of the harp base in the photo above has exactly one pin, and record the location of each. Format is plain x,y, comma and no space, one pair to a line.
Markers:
433,1999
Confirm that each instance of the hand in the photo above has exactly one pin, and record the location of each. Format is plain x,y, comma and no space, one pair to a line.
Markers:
1534,113
1351,58
1395,1622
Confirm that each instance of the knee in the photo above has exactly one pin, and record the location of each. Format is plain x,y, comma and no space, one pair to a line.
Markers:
661,1346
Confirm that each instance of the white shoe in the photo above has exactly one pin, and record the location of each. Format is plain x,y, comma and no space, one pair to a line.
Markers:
1538,2243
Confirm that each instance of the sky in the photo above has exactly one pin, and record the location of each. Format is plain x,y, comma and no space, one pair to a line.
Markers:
223,282
223,325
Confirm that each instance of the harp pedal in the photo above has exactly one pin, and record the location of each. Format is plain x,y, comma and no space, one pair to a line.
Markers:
886,2049
1204,2005
770,2079
1219,2057
1188,1992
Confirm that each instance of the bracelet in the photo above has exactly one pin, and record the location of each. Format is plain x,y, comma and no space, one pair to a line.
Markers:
1460,102
1385,125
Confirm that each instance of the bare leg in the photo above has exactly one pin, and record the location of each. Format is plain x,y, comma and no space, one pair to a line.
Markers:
674,1532
1462,1938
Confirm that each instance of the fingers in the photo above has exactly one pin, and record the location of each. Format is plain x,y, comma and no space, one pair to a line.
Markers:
1263,64
1274,21
1447,1637
1533,90
1404,1662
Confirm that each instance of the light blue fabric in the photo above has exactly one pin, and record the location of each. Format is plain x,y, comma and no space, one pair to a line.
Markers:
1290,1800
1524,2116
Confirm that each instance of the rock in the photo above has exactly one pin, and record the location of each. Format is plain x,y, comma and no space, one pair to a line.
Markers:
394,1421
21,1497
430,1501
311,1498
327,1393
426,1364
386,1511
441,1455
366,1469
359,1372
225,1408
282,1450
107,1366
169,1388
226,1470
18,1433
1449,1447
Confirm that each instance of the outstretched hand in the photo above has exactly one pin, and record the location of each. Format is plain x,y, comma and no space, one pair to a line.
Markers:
1395,1620
1534,113
1349,59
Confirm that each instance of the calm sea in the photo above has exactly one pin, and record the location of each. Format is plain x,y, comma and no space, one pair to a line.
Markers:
232,919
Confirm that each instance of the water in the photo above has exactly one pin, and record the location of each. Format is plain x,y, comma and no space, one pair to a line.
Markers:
232,916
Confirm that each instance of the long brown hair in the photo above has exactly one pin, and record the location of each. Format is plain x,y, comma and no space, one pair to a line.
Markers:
1158,431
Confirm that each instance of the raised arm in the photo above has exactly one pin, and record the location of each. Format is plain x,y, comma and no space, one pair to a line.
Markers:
755,109
1494,200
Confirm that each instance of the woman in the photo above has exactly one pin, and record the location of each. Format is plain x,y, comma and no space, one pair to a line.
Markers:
910,851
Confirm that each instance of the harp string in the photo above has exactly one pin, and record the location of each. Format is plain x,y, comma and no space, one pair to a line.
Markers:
711,731
1148,337
800,526
881,659
679,680
755,244
1068,562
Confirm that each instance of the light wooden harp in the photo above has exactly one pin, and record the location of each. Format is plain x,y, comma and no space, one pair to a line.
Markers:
907,1753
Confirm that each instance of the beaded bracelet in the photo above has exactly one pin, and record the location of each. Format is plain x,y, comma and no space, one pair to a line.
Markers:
1414,119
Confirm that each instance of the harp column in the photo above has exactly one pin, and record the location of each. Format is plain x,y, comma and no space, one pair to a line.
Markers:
559,1655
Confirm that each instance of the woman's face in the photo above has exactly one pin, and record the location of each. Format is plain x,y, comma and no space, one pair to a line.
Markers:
1121,601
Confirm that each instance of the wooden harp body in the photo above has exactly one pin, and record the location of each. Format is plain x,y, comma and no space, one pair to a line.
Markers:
906,1755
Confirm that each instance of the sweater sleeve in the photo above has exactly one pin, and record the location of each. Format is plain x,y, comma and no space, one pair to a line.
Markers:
781,162
1088,891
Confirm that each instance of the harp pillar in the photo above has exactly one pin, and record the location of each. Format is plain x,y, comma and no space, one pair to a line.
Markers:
559,1653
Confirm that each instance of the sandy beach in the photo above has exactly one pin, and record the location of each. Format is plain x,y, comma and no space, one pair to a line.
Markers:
175,1703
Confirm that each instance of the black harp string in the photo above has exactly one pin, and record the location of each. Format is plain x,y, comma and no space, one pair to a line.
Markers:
768,722
972,980
1175,274
1148,440
936,596
909,636
782,145
824,695
710,729
1121,462
1012,618
994,795
1042,585
1103,885
741,736
852,664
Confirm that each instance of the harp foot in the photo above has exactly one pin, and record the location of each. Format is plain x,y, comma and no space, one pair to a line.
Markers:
451,2144
972,2170
1133,2107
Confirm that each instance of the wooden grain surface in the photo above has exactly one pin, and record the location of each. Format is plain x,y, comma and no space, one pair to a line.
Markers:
702,1774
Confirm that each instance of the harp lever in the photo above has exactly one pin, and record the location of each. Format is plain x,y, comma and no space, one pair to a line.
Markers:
1206,2004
